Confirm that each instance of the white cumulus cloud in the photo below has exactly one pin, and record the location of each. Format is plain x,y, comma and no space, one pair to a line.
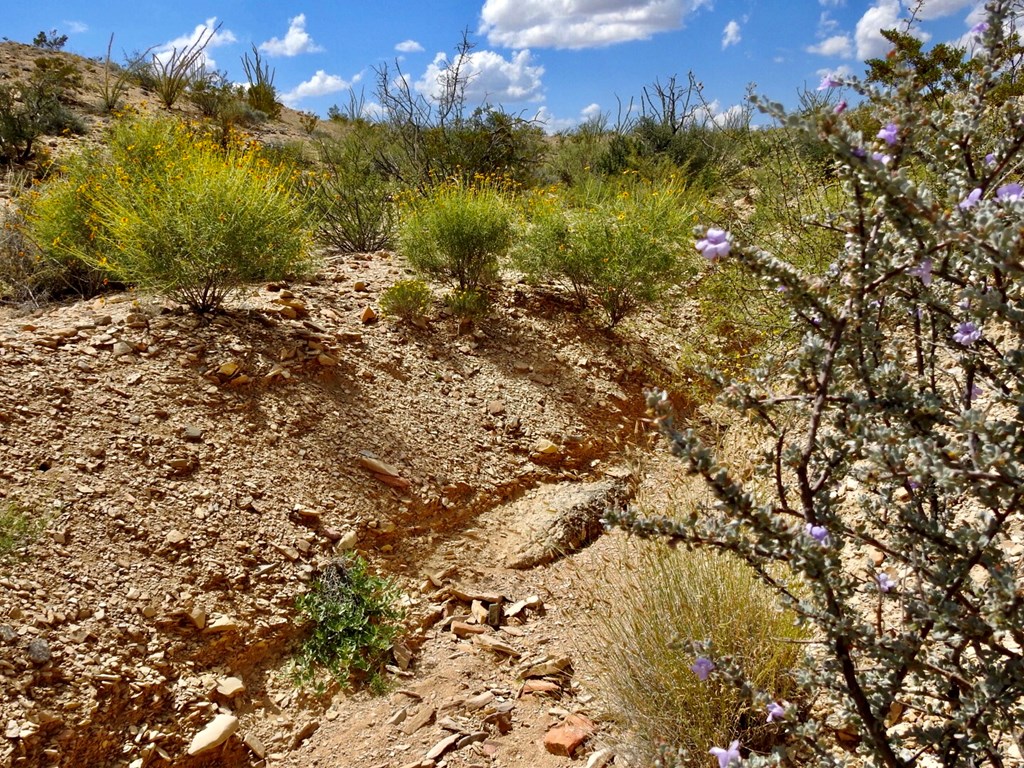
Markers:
837,45
76,27
731,34
936,9
552,124
580,23
320,84
409,46
296,40
490,77
210,32
884,14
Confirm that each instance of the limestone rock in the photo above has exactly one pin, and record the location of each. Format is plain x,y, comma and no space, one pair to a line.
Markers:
422,717
214,734
442,746
230,686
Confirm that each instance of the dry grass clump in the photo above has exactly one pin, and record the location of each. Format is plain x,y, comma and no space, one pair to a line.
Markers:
668,599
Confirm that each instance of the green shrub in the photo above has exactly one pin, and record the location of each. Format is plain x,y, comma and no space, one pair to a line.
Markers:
407,300
354,622
51,41
167,209
458,233
261,94
664,601
619,245
30,109
213,93
354,201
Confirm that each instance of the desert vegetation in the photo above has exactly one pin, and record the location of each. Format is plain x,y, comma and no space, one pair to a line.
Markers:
853,276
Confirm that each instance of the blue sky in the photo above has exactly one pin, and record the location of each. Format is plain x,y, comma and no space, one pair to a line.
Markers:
563,61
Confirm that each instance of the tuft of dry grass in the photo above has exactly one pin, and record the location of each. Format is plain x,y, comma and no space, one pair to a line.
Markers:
665,601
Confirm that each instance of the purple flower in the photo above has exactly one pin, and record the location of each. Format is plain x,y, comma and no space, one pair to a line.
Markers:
881,158
1010,192
885,582
726,757
990,159
889,134
840,108
828,82
923,271
979,29
971,200
858,152
976,391
819,533
702,668
776,711
715,244
966,334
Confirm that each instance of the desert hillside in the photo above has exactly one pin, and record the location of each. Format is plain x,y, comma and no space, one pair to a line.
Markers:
189,478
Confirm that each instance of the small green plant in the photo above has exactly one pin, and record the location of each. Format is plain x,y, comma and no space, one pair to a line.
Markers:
354,201
467,304
18,528
669,599
458,233
407,300
261,94
169,209
309,121
354,620
171,72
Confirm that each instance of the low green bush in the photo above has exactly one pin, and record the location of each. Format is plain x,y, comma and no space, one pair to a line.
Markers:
32,108
458,233
665,600
354,621
168,209
617,245
407,300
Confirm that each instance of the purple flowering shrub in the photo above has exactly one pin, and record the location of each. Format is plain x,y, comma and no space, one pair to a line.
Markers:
891,481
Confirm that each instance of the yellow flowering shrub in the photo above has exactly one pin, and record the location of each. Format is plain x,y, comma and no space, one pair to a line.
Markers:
167,208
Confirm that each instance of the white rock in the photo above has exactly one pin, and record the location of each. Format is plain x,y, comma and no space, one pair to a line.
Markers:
213,735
